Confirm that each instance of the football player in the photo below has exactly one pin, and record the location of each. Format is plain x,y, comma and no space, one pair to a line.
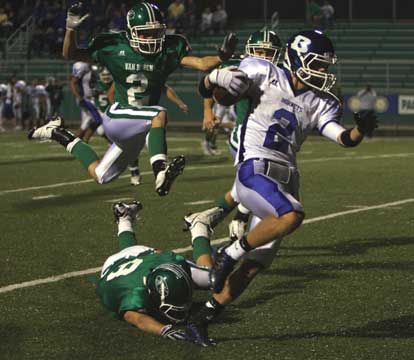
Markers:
82,86
149,288
3,93
140,61
288,103
262,44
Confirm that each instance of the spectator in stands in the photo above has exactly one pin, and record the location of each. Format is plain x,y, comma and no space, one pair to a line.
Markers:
206,25
367,98
5,24
175,12
190,18
314,14
328,12
55,91
219,19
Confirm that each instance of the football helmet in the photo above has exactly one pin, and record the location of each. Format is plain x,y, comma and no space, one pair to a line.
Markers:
146,28
170,289
105,76
264,44
308,55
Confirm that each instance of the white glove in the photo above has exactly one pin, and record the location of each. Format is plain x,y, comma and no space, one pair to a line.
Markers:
235,81
73,17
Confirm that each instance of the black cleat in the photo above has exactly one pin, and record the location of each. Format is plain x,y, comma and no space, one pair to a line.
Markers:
222,268
165,178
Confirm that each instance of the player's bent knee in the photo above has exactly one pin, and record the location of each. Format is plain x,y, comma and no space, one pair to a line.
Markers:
160,120
293,220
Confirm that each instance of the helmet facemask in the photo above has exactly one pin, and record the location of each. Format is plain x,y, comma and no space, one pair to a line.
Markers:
170,288
264,51
310,74
148,39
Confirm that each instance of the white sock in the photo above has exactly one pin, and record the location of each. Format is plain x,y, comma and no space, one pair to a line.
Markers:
235,251
199,229
125,224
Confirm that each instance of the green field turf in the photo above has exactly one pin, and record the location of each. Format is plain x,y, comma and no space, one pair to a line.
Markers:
340,288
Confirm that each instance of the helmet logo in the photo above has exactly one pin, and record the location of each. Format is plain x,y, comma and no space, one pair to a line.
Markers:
161,287
301,44
131,14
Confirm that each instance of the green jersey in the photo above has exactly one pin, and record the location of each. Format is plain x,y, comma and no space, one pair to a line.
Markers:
139,78
241,107
101,95
122,285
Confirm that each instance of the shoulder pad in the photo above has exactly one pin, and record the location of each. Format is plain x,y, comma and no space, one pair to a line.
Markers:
106,39
177,40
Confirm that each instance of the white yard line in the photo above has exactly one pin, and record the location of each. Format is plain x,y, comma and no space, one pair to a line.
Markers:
201,202
118,200
190,168
50,196
73,274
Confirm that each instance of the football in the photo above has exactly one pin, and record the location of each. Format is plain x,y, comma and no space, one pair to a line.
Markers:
223,97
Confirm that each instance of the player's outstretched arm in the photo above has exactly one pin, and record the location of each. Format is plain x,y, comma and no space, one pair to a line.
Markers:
207,63
190,332
173,97
73,21
366,122
209,117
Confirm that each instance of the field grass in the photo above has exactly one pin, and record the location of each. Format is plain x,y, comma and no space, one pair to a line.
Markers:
340,288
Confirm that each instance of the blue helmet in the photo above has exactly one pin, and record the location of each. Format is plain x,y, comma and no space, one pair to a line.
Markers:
307,53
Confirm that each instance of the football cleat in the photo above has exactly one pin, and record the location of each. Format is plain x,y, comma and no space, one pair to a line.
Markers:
126,211
210,217
135,177
192,219
237,230
206,148
222,268
45,132
166,177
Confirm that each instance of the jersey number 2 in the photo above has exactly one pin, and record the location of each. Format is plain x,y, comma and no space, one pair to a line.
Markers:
278,135
141,84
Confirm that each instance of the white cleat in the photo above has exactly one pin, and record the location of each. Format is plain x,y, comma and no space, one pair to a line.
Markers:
45,132
237,229
206,148
166,177
209,217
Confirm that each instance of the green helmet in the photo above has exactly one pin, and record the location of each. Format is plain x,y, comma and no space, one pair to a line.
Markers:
170,288
264,44
146,28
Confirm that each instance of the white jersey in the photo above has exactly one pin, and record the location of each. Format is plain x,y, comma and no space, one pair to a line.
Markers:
83,73
280,120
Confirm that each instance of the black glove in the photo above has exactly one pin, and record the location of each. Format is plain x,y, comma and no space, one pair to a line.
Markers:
366,121
228,47
190,333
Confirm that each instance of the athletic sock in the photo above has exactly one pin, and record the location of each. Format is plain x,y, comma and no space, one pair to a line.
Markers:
201,246
242,214
238,248
82,152
126,239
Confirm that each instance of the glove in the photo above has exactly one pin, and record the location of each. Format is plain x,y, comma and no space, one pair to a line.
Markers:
190,333
233,80
228,47
366,121
73,17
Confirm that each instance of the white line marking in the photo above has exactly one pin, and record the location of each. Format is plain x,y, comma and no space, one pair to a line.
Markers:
118,200
45,197
77,182
73,274
201,202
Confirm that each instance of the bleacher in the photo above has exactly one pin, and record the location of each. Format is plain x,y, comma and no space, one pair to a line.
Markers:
380,53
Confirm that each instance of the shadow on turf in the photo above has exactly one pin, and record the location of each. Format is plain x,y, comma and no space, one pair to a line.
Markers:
59,159
69,199
349,248
397,328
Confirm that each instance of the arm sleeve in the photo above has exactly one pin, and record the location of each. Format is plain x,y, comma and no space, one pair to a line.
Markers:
332,130
136,300
329,117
